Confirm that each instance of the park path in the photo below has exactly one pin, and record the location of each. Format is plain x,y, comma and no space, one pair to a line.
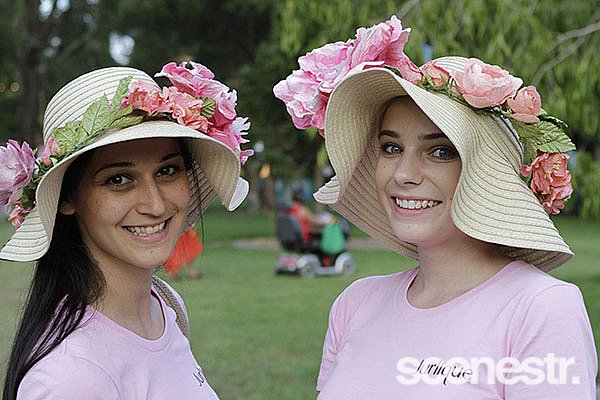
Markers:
272,244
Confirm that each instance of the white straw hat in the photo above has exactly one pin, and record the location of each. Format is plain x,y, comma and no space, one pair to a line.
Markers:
216,166
491,202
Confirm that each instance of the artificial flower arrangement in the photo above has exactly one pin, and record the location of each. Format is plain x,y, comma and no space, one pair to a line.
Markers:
485,88
195,100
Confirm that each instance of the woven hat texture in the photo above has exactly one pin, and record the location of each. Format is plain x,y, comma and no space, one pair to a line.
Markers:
491,202
216,167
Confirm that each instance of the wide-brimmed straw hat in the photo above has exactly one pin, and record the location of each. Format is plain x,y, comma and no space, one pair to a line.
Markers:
216,167
491,203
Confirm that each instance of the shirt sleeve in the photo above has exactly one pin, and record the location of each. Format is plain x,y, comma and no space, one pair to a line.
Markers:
331,345
66,378
555,348
343,309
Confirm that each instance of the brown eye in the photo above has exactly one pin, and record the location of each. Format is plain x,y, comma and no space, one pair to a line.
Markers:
168,171
118,180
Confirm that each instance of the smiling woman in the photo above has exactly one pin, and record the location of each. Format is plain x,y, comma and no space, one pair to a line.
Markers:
450,164
101,207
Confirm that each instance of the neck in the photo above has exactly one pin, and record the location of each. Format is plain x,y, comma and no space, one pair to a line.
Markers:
128,301
448,270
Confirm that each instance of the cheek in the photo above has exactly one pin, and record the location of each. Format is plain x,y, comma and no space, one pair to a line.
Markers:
181,193
383,174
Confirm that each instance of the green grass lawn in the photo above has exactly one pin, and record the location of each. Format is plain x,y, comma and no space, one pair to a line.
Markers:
258,335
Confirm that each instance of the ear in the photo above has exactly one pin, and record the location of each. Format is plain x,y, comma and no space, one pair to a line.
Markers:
66,207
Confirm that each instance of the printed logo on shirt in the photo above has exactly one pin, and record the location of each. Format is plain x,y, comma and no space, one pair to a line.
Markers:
199,375
507,371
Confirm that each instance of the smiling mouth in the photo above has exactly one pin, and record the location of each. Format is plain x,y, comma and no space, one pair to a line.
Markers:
146,230
415,204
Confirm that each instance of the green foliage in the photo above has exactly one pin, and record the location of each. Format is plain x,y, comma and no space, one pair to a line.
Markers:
586,184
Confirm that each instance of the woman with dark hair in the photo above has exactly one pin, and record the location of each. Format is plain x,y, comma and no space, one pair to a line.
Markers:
126,168
454,165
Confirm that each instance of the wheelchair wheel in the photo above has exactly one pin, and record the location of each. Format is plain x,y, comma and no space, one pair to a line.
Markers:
308,271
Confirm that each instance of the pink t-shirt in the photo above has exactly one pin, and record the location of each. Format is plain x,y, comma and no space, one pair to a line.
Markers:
378,346
103,360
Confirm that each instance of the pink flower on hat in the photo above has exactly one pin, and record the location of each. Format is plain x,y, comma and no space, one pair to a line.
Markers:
306,91
187,110
147,97
17,165
232,135
439,76
17,215
526,105
409,71
378,45
50,149
483,85
550,179
192,80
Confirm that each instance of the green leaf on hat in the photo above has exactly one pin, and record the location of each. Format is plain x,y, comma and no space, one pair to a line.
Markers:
208,107
544,116
126,121
69,136
117,114
121,92
554,139
96,116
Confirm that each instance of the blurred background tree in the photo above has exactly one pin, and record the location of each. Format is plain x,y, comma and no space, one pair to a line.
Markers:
252,44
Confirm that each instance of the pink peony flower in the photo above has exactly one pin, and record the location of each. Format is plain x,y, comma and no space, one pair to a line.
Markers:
189,77
17,215
409,71
306,91
298,92
148,98
225,102
50,149
483,85
327,65
550,179
187,110
526,105
378,45
439,76
17,165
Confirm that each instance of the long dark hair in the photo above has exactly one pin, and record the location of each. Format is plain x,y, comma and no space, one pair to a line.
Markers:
65,281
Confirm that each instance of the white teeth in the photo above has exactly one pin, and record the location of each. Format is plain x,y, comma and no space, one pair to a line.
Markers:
146,230
416,204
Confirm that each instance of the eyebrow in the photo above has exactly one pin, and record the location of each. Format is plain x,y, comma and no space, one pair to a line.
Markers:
127,164
422,136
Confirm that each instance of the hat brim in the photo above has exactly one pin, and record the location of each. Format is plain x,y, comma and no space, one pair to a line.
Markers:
217,170
491,202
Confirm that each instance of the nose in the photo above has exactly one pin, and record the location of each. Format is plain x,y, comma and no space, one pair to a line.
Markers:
151,198
408,169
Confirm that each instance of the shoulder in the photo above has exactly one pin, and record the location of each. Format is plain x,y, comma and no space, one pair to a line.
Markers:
533,285
375,284
369,290
62,375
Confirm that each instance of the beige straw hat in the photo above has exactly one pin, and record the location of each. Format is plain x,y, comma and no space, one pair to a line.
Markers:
491,202
216,166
